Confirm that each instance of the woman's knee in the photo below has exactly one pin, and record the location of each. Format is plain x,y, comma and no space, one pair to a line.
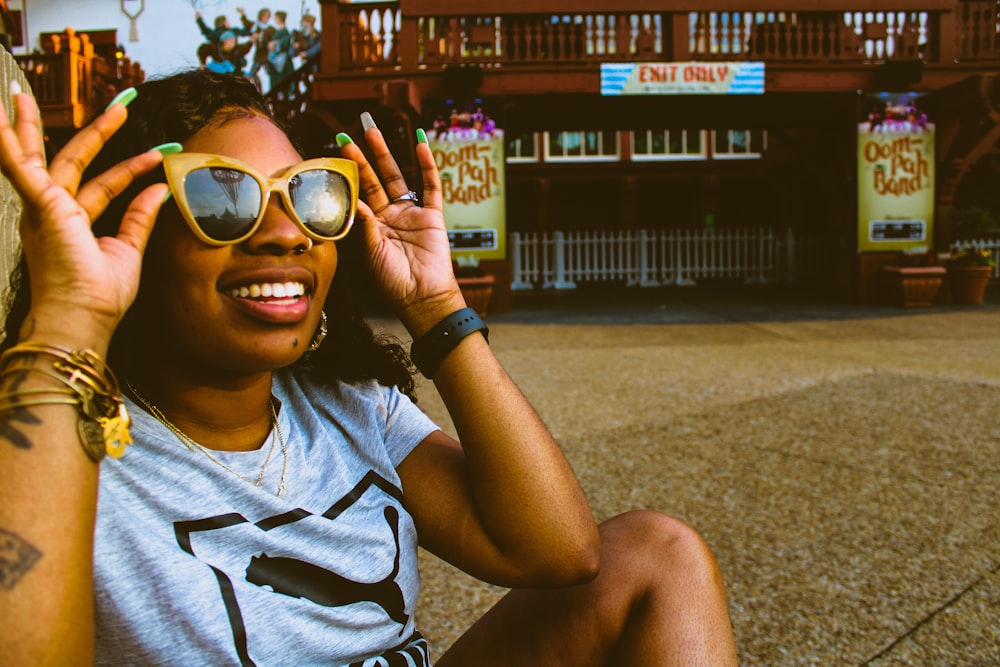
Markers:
651,542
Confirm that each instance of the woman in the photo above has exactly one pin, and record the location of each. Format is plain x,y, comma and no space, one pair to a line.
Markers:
269,509
279,54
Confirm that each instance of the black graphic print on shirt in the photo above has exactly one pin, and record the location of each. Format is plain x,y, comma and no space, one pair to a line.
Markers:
231,547
297,578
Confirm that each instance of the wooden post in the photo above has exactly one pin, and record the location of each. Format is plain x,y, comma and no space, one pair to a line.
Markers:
680,49
332,36
407,46
947,34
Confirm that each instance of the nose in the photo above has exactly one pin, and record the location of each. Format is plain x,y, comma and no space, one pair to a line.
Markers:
278,233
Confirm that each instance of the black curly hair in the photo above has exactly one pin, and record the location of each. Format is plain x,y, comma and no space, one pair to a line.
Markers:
174,108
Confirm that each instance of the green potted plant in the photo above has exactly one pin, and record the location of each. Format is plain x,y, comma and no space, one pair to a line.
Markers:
476,285
969,271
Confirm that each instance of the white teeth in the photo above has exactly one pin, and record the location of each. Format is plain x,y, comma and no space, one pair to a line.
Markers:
269,290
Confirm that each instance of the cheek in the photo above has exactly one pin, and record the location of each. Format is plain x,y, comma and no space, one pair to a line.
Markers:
326,271
178,270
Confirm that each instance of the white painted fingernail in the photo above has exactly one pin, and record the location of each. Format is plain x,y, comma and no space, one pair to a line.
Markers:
15,87
366,121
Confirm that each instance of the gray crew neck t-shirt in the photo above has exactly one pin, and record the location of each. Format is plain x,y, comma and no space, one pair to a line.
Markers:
195,565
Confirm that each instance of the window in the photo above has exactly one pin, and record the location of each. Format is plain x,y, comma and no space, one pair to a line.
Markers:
583,146
523,148
674,144
738,144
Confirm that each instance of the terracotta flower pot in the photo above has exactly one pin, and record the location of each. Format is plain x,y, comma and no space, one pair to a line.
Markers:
968,283
913,286
477,290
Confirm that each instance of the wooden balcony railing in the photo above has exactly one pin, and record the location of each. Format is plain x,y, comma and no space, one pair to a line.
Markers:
71,82
383,37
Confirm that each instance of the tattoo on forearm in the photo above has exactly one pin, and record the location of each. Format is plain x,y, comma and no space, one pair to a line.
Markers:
8,419
17,556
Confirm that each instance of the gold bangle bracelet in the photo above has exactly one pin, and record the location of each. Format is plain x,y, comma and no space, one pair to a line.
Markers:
15,397
84,362
103,425
13,405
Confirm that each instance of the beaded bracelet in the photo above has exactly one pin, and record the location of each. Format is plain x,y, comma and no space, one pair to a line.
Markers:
90,385
428,351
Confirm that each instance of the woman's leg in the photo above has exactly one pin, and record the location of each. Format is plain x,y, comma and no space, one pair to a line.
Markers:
658,600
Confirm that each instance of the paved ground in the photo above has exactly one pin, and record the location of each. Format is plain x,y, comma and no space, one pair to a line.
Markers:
843,461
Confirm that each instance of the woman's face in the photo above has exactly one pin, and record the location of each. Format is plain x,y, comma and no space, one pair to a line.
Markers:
206,304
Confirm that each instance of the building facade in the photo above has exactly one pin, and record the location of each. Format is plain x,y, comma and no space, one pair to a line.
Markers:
673,142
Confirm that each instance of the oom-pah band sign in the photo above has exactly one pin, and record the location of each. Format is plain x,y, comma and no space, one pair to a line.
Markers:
472,185
896,173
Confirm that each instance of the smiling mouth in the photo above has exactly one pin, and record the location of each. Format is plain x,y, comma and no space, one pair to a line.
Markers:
290,291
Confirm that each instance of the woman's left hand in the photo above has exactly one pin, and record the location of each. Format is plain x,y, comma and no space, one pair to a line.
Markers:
406,241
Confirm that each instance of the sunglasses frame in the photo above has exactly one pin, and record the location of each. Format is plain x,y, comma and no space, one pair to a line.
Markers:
179,165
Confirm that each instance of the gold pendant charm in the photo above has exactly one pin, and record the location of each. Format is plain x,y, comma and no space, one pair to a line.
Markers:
92,438
115,432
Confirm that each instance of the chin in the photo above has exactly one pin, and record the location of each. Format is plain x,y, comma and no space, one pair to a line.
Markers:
265,356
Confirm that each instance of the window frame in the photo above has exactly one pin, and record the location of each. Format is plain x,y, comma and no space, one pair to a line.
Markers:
749,154
548,156
668,156
511,158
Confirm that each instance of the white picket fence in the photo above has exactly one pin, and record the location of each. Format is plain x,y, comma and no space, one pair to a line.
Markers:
561,260
653,257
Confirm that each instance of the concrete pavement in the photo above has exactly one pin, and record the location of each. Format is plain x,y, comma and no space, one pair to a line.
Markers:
843,461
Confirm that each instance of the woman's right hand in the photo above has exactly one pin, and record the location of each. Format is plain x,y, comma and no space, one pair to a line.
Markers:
81,285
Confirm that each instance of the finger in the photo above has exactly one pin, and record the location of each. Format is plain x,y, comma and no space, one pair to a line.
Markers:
392,177
368,223
433,196
97,193
140,217
371,186
17,141
364,213
28,130
70,162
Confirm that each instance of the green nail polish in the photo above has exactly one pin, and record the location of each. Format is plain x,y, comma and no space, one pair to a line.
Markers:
167,197
168,148
343,140
421,136
124,98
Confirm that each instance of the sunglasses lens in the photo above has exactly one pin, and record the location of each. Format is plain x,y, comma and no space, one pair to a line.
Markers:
224,202
322,200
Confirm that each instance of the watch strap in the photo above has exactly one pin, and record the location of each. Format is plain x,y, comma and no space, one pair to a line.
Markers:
428,351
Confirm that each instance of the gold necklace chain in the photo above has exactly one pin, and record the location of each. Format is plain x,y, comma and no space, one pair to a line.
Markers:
195,447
